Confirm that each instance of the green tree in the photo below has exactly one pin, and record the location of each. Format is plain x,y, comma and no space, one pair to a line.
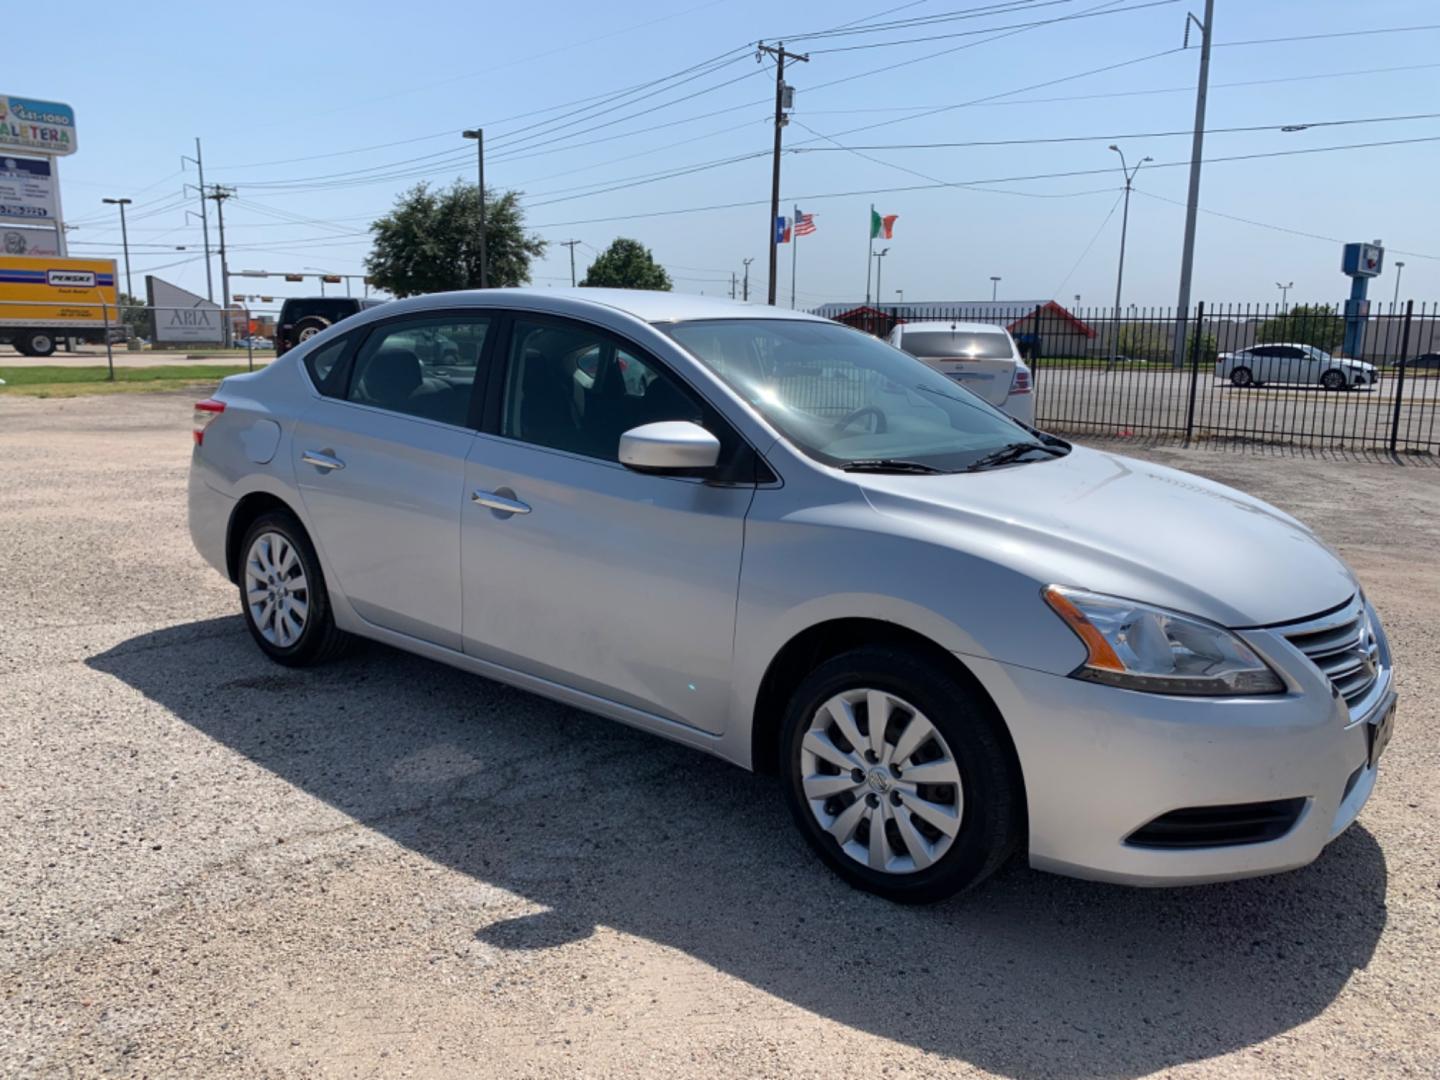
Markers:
627,264
1305,324
1143,341
429,242
138,319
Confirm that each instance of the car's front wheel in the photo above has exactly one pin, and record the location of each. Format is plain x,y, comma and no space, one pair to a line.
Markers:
900,775
283,596
1242,377
1333,380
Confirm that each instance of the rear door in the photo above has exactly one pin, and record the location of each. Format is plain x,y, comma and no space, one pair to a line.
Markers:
982,362
380,463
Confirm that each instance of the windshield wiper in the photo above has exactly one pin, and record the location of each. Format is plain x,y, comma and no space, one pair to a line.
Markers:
1012,452
889,465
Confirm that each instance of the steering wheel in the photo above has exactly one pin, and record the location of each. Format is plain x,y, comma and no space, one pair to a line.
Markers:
880,425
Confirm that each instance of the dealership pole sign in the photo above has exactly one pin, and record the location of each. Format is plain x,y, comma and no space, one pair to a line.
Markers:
27,190
36,127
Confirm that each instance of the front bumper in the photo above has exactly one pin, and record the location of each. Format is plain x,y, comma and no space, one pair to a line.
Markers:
1099,763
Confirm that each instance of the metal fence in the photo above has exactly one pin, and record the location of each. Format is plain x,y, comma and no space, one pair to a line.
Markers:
39,330
1247,373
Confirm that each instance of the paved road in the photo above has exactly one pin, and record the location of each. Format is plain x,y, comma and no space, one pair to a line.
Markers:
217,867
1142,399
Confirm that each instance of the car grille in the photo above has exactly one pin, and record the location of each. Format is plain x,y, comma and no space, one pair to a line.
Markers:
1342,645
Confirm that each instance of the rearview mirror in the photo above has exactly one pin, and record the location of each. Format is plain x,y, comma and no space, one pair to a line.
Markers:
676,447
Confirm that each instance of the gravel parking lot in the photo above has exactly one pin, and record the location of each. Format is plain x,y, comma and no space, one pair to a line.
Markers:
213,866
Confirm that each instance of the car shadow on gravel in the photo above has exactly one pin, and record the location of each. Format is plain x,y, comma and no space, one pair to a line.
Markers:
1030,976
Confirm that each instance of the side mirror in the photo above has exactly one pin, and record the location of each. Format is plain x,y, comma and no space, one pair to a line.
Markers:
673,447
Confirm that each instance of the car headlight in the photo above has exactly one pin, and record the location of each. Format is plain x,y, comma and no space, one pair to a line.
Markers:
1139,647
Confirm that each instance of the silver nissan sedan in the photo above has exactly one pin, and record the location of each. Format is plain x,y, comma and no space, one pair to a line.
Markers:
794,546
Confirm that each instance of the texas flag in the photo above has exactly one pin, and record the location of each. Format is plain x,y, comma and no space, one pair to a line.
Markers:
782,230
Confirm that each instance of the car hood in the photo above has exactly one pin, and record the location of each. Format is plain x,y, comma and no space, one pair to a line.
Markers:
1363,365
1116,525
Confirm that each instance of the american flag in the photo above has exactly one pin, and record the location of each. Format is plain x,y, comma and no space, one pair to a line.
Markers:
804,223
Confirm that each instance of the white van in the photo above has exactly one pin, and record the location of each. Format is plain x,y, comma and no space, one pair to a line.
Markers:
981,357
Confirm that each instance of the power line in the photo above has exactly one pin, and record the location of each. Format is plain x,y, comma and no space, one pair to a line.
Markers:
1076,266
1318,37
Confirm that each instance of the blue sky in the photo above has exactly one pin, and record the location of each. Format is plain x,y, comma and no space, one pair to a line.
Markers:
378,87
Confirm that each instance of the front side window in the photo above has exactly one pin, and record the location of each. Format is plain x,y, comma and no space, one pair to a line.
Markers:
957,345
571,388
844,397
421,367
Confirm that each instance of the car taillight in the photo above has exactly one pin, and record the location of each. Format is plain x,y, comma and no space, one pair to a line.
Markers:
206,411
1020,384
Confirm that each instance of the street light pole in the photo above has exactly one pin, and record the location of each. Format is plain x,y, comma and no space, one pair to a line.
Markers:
1395,303
901,294
1129,175
1284,294
124,239
994,288
478,134
879,266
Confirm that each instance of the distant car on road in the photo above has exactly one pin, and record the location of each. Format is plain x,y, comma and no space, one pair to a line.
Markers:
301,318
981,357
1429,361
1287,362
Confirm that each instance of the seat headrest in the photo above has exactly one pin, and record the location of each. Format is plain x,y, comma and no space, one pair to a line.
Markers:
392,376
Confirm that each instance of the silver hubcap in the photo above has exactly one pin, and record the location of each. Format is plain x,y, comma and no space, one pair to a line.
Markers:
881,780
276,592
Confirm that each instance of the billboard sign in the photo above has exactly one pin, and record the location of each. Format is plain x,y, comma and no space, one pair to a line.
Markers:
27,190
181,317
15,240
1362,260
40,127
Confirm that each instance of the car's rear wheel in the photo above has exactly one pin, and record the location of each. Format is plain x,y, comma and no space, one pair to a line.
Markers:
900,775
1333,380
283,596
1242,377
308,327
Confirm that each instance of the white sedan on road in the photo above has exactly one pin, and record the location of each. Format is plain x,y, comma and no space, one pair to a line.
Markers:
979,356
1287,362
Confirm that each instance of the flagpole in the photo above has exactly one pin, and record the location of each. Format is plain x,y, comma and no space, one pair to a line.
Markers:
869,250
794,251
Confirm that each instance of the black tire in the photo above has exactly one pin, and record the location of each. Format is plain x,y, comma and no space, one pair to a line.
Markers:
21,346
1334,380
39,343
308,327
1241,377
320,640
992,814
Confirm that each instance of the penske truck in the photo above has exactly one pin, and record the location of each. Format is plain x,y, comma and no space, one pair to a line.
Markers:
45,299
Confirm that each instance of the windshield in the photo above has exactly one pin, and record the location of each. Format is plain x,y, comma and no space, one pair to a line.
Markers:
957,344
845,397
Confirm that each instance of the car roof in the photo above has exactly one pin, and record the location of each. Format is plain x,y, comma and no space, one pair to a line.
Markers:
1286,344
941,326
645,304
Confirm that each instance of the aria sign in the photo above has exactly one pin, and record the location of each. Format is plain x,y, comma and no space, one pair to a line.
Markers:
39,127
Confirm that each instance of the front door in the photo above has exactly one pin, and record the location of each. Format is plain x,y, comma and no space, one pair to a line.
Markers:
380,463
579,570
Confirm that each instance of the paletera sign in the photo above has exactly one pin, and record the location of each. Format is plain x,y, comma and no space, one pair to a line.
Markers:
40,127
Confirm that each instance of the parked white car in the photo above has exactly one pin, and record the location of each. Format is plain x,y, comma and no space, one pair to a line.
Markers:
981,357
1290,362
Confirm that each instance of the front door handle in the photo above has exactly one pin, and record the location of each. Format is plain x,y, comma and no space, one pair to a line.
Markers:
493,500
322,460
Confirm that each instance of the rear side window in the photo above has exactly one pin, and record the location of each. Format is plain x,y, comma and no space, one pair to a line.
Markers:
959,344
325,367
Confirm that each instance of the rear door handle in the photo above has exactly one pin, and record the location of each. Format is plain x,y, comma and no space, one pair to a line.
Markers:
322,460
493,500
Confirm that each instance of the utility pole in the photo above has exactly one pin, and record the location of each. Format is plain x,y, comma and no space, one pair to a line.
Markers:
746,296
571,245
124,239
1129,175
1398,267
1192,202
204,217
220,194
732,284
478,134
1284,292
784,98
